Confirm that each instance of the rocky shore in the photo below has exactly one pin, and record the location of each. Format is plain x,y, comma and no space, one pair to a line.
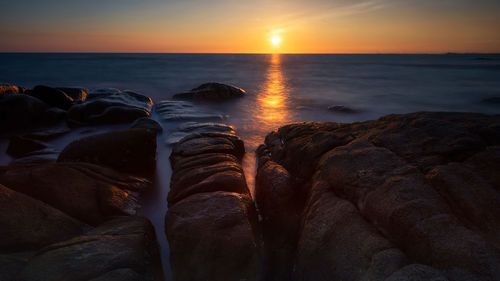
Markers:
405,197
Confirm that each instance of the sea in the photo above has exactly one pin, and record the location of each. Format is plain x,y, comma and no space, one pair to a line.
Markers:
281,88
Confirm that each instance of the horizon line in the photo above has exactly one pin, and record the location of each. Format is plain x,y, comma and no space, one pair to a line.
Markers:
249,53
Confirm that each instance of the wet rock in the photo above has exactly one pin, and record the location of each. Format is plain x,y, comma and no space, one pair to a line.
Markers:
87,192
341,109
77,94
379,195
211,238
28,223
124,246
147,123
212,92
20,146
184,111
110,108
188,128
21,111
130,150
51,96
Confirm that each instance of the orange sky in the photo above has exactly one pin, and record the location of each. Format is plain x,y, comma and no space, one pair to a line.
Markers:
223,26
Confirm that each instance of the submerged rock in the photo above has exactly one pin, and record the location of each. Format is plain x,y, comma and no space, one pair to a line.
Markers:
52,96
212,92
341,108
110,108
379,196
129,150
84,191
184,111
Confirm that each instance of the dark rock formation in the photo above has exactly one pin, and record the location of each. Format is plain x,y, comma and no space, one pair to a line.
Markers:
51,96
184,111
147,123
28,224
130,150
211,221
341,109
84,191
212,92
77,94
188,128
121,247
404,197
6,90
20,146
110,108
21,111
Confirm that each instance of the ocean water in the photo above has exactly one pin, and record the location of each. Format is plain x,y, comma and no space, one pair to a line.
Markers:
280,88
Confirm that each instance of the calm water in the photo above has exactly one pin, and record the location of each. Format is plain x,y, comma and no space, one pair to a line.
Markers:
281,89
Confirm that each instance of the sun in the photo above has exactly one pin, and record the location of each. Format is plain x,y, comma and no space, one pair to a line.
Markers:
276,40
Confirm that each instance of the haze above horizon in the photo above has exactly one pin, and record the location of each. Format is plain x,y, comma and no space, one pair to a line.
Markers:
261,26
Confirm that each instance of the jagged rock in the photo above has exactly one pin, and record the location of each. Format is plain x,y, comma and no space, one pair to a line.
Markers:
110,108
84,191
20,146
196,128
212,92
124,246
211,237
27,223
377,195
184,111
147,123
51,96
77,94
129,150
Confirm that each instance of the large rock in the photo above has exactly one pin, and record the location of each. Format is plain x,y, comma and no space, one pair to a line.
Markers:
211,238
77,94
27,223
184,111
124,247
52,96
381,195
147,123
84,191
21,111
130,150
110,108
6,90
212,92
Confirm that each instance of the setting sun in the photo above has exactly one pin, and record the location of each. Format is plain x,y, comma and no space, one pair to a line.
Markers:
276,40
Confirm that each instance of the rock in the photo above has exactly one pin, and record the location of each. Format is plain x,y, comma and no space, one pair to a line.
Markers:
20,112
77,94
341,108
87,192
31,224
212,92
6,90
20,146
379,195
188,128
52,96
110,108
184,111
124,246
211,238
147,123
129,150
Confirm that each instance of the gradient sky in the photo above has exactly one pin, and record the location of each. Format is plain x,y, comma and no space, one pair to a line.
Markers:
223,26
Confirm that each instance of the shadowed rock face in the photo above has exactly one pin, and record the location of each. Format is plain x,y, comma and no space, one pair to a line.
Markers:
130,150
212,92
404,197
84,191
211,221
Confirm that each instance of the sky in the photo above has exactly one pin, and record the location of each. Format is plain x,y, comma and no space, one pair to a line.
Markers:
223,26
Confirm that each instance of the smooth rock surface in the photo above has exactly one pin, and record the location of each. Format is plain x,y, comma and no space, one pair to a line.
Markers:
212,92
129,150
188,128
52,96
21,112
383,194
147,123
